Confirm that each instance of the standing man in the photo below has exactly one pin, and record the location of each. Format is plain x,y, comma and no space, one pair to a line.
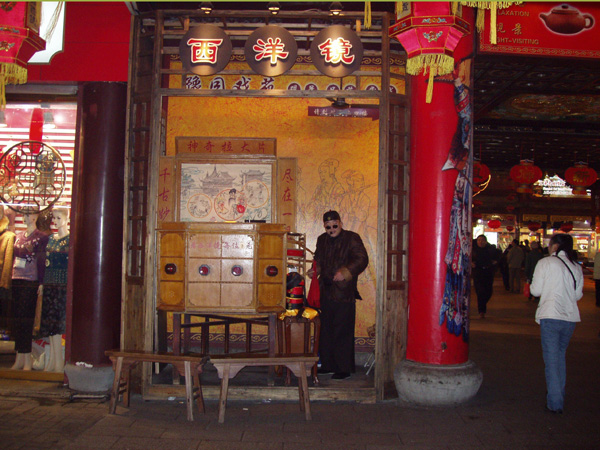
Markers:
516,258
483,262
340,258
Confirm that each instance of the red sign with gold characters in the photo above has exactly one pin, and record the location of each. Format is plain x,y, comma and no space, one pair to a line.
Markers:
569,30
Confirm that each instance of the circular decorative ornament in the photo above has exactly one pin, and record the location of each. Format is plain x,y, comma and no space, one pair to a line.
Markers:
271,50
32,177
205,50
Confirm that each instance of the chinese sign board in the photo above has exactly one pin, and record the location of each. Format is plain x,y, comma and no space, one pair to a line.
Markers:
225,146
336,51
329,111
271,51
567,30
286,186
205,50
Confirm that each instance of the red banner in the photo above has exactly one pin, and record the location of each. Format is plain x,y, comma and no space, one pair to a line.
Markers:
569,30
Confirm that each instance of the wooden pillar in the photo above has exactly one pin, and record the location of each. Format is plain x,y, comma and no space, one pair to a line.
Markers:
97,223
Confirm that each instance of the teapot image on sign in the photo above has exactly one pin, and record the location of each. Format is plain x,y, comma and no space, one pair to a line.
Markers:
565,19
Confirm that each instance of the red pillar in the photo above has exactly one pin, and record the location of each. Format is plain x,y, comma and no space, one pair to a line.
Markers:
433,135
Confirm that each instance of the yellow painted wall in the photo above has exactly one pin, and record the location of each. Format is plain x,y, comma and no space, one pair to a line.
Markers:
334,155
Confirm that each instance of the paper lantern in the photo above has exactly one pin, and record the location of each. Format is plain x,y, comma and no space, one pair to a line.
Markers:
477,215
509,228
580,176
566,227
429,32
494,223
477,203
510,208
525,174
481,172
19,40
534,226
510,218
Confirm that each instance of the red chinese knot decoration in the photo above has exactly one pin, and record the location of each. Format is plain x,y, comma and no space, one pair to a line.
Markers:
429,32
534,226
19,40
494,223
580,176
525,174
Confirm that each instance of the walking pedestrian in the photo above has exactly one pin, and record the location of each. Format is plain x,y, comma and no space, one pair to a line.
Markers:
558,281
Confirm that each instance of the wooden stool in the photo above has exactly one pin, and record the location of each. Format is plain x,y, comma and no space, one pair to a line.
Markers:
124,360
229,366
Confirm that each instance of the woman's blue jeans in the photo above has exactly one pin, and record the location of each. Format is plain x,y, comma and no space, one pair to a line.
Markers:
556,335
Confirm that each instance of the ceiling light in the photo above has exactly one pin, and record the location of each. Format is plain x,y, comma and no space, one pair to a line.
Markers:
273,7
335,8
3,123
206,7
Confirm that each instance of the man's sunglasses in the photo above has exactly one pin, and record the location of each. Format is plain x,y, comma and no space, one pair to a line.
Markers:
329,227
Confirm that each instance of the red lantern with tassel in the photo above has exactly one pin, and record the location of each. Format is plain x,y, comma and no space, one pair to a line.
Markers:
494,223
525,174
580,176
510,218
534,226
566,227
481,172
429,32
509,228
19,40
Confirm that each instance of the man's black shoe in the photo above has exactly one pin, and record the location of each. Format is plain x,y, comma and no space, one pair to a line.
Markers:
324,372
340,376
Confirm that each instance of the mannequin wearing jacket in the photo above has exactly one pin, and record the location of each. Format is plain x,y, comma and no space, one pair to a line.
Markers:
54,304
7,242
27,275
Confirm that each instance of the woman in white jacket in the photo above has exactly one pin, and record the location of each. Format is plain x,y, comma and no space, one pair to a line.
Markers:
558,281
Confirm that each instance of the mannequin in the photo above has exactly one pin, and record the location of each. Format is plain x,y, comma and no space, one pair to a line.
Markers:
7,242
27,275
54,304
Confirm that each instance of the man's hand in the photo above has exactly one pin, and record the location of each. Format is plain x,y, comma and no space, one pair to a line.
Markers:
338,276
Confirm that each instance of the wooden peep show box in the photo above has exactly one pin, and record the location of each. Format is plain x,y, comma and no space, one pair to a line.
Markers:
221,267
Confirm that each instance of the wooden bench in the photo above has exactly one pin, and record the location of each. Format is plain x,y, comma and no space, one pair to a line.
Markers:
124,360
228,367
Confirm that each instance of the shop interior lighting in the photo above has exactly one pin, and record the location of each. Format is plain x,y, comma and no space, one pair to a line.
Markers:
273,7
207,7
3,123
49,120
335,8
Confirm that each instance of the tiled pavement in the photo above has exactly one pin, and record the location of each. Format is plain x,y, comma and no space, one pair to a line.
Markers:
507,413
